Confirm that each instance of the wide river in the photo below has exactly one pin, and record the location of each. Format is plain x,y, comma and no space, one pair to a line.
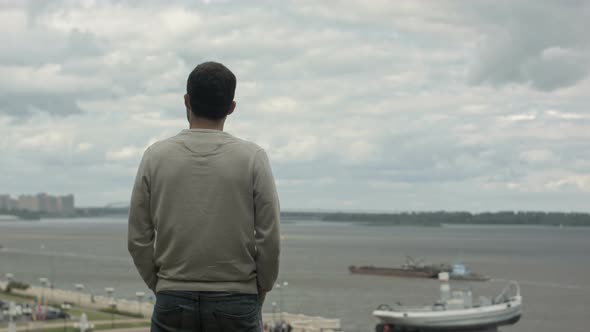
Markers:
551,264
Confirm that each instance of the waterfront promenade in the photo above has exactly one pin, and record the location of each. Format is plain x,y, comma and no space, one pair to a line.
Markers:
82,300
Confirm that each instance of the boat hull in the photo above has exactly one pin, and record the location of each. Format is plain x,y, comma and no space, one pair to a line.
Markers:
429,274
475,328
454,320
470,277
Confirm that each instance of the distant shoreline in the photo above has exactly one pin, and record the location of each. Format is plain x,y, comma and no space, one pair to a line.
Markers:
423,219
440,218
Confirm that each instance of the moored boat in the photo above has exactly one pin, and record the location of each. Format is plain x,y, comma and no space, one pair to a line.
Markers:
454,311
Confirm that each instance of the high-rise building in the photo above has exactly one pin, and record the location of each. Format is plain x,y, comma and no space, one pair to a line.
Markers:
66,204
4,202
28,203
48,203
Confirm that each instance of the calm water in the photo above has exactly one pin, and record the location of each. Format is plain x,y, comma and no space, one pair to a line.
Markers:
551,264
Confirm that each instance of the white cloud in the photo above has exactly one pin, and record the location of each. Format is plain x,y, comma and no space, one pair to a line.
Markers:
355,101
519,117
575,182
84,146
124,153
282,104
537,156
48,78
565,116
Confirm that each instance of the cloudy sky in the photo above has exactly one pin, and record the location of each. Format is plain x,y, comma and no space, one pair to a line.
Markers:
361,105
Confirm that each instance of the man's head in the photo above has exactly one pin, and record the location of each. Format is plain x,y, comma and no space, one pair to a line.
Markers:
210,91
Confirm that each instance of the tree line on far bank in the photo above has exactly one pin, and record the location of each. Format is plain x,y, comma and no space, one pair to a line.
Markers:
433,219
439,218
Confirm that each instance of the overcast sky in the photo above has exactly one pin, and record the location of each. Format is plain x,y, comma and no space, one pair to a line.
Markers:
361,105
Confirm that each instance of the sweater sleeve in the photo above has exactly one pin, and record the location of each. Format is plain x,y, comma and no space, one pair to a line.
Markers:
141,232
267,218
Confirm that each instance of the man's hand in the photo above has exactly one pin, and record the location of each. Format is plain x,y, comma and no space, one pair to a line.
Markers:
261,297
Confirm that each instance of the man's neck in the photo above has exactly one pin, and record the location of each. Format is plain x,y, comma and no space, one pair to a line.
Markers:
202,123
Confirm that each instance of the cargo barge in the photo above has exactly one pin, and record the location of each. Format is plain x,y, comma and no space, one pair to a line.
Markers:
417,269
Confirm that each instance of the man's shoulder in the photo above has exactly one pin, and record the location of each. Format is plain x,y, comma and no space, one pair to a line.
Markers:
245,144
161,145
165,145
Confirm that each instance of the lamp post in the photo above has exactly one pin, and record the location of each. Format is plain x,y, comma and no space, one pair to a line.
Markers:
64,308
281,286
110,291
274,312
140,296
113,306
11,314
44,282
80,289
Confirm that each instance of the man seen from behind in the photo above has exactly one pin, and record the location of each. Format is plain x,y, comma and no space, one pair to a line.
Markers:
204,217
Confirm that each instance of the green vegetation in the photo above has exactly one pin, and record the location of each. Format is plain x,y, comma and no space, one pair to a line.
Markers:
102,327
464,218
22,214
122,313
16,297
431,219
94,315
101,211
121,326
16,285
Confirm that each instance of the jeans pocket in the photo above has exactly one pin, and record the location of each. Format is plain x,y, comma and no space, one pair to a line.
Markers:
238,322
167,318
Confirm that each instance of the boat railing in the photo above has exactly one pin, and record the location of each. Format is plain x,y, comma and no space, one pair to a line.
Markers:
512,288
385,307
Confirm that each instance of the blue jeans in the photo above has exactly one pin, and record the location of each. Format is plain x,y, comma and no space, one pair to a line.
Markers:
206,312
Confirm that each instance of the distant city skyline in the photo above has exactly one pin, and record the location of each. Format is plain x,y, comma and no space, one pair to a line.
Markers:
40,202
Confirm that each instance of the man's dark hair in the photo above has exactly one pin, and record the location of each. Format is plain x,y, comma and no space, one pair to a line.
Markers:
211,88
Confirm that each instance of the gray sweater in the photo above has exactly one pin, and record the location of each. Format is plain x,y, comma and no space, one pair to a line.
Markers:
204,215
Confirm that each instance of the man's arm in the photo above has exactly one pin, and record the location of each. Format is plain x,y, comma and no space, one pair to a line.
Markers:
267,215
141,233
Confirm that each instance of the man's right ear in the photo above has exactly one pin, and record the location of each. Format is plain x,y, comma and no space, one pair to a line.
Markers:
187,105
187,101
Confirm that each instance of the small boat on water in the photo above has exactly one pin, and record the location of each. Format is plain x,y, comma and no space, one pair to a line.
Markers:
455,311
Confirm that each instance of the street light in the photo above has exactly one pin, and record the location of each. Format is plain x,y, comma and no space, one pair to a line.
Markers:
274,312
280,287
113,306
11,314
44,282
80,289
64,308
110,291
140,296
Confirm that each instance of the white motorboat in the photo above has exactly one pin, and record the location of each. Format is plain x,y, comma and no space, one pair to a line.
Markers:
455,311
